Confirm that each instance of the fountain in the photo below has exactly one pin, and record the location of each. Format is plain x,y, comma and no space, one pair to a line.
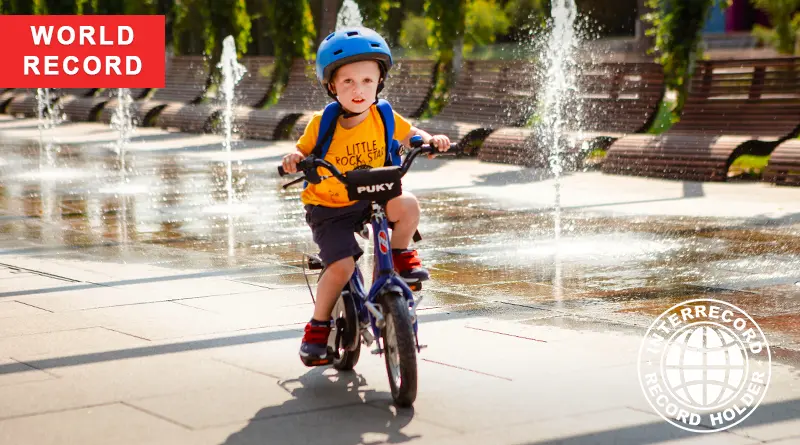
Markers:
122,121
349,16
558,86
49,116
232,72
557,105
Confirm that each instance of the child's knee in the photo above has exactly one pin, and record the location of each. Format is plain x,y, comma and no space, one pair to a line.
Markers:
405,204
343,268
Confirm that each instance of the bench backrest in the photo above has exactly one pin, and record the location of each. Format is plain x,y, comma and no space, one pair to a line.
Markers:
619,97
253,89
409,86
303,92
186,80
491,92
759,97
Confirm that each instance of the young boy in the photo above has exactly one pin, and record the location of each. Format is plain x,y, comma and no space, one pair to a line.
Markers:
352,65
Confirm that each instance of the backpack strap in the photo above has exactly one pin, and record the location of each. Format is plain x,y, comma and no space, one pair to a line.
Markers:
392,145
326,128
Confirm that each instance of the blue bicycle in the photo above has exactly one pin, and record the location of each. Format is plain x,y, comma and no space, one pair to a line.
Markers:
388,310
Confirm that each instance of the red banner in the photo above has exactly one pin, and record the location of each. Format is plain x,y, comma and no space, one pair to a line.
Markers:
82,51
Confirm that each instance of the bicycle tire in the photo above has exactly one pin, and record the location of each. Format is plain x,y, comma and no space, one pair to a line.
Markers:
399,345
345,310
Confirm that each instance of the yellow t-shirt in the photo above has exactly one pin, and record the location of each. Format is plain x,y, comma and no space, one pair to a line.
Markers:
362,146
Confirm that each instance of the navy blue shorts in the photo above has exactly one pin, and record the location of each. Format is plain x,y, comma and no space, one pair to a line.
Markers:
333,229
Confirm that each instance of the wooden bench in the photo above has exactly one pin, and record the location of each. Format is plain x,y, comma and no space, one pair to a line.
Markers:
24,103
783,167
5,97
613,99
186,81
734,107
252,91
486,95
408,89
301,94
81,104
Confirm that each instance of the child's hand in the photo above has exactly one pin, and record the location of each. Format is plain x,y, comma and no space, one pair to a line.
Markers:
441,142
290,162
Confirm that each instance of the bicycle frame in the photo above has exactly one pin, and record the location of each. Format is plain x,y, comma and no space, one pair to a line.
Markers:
386,277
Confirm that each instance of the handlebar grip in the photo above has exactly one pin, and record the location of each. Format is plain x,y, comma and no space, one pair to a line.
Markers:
454,150
281,171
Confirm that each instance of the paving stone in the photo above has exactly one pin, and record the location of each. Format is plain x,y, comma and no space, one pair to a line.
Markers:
13,372
356,424
10,309
114,423
59,343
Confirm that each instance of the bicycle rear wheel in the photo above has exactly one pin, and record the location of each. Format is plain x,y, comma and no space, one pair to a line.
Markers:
346,324
400,352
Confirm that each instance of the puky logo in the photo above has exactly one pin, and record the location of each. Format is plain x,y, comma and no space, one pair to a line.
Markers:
375,188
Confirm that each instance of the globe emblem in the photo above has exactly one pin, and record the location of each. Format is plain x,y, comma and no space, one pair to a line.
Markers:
704,365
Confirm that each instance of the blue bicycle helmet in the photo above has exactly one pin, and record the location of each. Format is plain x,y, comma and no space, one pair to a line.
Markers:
351,45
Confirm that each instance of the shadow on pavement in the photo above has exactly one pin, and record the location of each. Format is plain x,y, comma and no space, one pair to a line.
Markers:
661,431
346,418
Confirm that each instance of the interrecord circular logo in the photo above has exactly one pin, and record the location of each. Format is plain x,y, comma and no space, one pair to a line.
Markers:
704,365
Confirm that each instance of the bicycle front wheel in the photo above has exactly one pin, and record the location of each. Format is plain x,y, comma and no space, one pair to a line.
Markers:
399,347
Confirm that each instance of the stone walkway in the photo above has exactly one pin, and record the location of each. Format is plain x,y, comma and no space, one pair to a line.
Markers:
161,326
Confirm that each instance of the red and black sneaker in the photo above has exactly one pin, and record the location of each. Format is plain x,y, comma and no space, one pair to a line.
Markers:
408,265
314,348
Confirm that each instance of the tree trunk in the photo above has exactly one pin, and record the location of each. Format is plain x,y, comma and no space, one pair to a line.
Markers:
330,8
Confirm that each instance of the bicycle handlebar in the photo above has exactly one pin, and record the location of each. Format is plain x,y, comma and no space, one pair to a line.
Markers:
312,162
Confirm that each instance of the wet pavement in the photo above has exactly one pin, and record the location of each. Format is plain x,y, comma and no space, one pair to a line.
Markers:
82,236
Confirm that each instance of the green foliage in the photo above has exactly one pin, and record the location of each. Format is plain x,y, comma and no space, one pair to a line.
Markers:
785,21
192,34
228,17
142,7
677,27
527,15
54,6
103,6
19,6
414,35
485,19
291,27
445,20
202,25
376,13
664,118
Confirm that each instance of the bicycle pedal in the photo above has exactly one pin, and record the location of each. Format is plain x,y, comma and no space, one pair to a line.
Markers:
376,351
422,346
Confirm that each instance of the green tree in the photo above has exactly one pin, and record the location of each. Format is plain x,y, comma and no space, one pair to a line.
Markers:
55,6
785,22
527,15
102,6
446,23
228,17
291,27
485,19
677,27
202,25
414,35
376,15
192,30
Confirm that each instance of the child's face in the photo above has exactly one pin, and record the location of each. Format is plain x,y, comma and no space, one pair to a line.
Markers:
356,85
